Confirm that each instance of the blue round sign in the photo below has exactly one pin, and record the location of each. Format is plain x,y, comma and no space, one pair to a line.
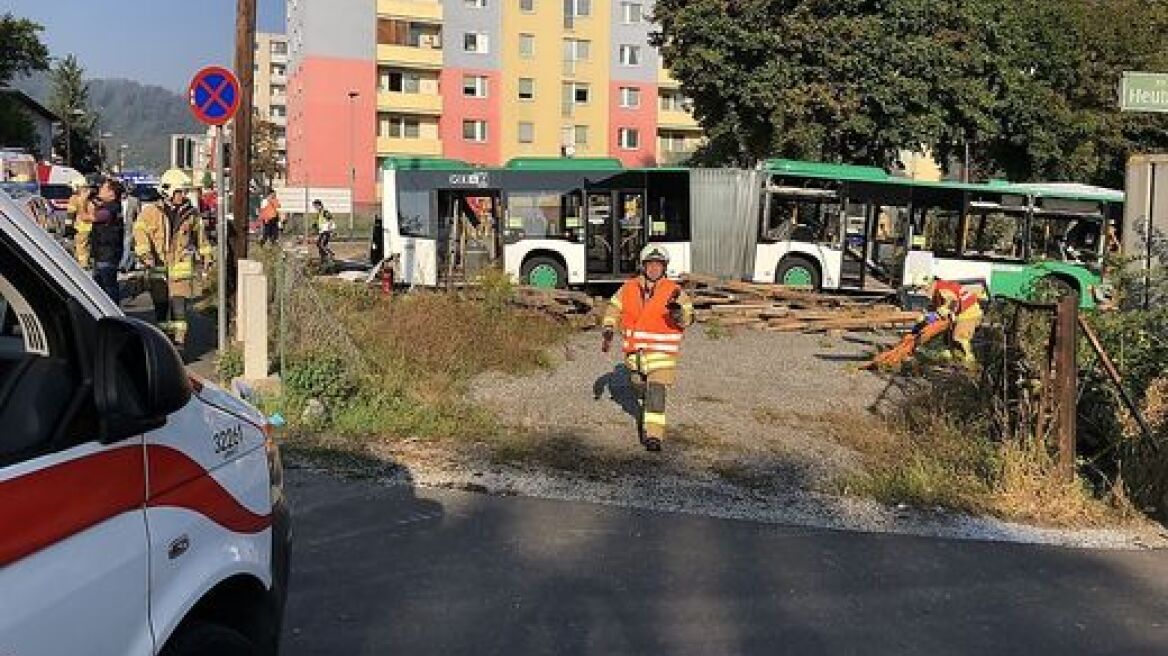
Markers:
214,95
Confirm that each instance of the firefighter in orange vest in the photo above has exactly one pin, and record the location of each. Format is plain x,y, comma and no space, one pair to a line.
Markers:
950,299
653,312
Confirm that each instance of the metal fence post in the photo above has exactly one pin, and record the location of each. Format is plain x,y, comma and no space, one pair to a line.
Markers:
1066,380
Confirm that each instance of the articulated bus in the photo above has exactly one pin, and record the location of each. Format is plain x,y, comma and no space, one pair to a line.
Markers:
555,223
550,222
844,227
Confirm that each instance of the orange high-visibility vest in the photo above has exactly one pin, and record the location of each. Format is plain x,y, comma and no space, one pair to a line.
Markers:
646,323
965,298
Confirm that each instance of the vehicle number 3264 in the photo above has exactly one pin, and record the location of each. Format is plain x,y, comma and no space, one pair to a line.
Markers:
227,441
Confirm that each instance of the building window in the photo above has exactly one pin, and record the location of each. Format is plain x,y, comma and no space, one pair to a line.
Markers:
278,111
577,50
476,4
526,88
278,90
474,86
580,94
630,55
574,9
672,101
279,48
400,82
393,32
527,6
632,12
474,130
278,70
476,42
629,138
630,97
398,127
526,45
526,132
580,135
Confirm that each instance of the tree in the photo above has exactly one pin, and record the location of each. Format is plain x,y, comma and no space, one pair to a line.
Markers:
267,165
78,138
22,54
23,51
1028,85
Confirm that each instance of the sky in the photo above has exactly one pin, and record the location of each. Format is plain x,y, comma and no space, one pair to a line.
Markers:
159,42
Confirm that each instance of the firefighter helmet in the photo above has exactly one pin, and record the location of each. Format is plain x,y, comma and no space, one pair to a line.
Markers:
654,253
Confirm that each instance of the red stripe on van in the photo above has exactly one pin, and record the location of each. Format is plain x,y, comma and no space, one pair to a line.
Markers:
43,507
177,481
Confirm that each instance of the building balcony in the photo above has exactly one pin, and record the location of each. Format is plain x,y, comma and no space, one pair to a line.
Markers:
410,103
419,147
673,157
676,120
429,58
430,10
665,79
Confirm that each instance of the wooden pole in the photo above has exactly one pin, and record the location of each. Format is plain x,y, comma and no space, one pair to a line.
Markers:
1066,382
245,28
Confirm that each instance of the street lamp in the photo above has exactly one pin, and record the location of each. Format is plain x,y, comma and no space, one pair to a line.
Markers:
101,137
353,95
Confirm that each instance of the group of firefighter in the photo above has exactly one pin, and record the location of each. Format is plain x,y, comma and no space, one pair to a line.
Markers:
652,313
168,240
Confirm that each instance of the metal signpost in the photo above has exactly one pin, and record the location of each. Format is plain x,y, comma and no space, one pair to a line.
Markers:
214,96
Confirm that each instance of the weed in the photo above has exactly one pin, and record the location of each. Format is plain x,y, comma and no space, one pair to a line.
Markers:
715,330
229,364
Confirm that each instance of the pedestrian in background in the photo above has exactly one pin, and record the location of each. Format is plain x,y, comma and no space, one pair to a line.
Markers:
270,219
131,207
107,237
325,226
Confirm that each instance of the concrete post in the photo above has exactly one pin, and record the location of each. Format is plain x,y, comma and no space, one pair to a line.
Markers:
255,340
246,268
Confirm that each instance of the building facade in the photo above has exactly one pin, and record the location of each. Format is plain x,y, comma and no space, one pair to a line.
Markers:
476,80
270,85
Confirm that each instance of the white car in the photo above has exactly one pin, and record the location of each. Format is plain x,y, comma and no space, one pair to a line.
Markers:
142,510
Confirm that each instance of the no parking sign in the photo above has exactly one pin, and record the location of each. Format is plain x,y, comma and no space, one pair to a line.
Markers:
214,95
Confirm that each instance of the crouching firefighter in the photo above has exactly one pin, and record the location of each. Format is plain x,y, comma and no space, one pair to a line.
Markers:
653,312
951,300
168,238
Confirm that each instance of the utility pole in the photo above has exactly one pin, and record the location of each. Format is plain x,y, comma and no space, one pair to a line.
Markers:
245,28
353,95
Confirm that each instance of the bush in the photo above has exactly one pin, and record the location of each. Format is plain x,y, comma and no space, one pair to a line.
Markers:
229,364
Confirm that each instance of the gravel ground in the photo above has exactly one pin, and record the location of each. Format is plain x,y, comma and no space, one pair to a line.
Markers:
752,405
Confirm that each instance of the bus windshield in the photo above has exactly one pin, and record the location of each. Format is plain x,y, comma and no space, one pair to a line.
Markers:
18,175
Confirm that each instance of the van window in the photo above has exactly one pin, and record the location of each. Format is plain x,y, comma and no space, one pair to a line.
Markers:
46,399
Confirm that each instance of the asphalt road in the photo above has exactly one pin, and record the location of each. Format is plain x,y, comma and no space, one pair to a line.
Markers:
394,570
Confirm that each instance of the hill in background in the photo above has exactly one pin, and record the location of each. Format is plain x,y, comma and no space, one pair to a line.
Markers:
141,116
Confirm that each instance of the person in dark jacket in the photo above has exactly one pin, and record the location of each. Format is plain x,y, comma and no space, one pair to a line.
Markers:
107,241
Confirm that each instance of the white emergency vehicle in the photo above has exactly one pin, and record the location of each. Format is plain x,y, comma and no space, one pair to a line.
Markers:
142,510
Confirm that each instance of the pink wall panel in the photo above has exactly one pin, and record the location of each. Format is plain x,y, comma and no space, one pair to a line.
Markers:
324,131
456,108
642,118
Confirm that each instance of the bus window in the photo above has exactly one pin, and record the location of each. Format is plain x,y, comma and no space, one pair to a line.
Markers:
544,215
414,215
939,227
811,221
995,235
669,220
1066,240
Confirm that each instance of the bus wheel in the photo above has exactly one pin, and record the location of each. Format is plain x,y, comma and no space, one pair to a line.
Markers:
798,272
544,273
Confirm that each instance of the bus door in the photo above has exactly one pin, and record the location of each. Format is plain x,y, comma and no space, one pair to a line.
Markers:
616,231
853,265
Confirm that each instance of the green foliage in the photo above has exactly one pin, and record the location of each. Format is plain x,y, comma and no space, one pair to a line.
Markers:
229,364
22,52
323,376
15,127
78,140
265,164
1029,85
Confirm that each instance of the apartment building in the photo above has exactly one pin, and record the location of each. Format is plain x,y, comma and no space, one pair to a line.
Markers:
271,84
477,80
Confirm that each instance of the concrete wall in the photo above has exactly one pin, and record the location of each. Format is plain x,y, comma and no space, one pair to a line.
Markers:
643,118
460,19
458,108
636,34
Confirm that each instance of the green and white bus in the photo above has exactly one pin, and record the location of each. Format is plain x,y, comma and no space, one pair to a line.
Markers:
842,227
550,222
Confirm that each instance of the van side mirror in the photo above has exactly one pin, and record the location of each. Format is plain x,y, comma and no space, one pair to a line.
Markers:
138,378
